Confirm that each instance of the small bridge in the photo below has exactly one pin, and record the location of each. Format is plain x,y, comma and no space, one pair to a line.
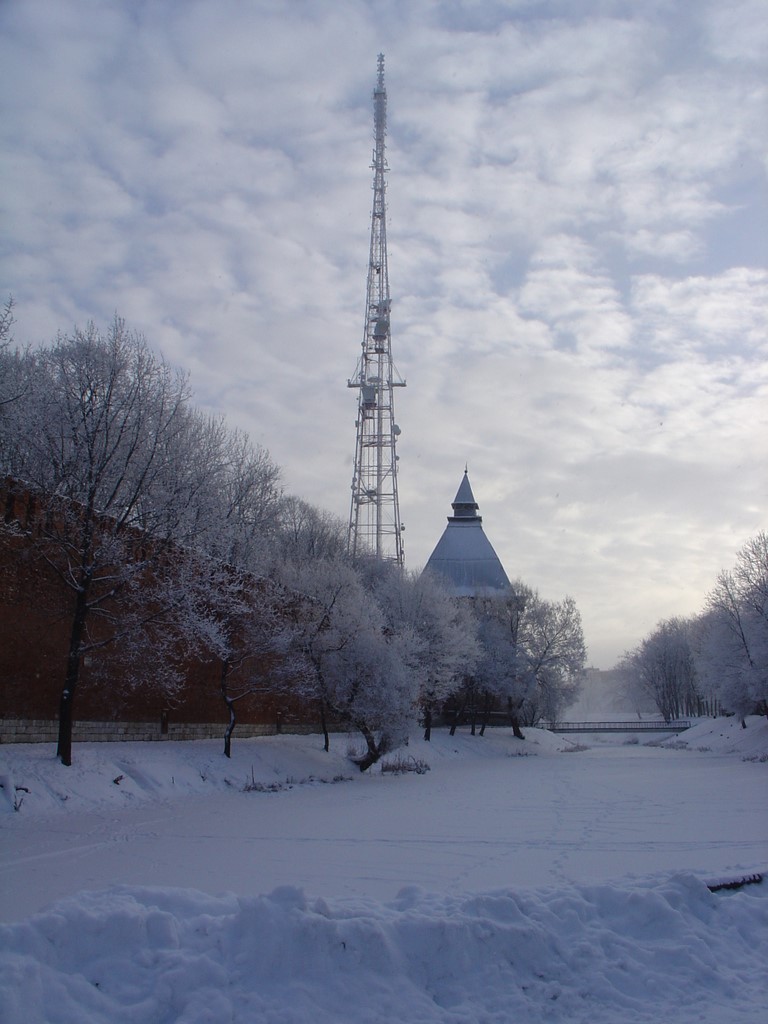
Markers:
676,726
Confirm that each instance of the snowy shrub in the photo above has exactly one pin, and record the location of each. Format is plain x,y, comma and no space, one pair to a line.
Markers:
253,786
401,765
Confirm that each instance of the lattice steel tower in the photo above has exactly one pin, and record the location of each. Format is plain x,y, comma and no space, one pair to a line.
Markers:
374,518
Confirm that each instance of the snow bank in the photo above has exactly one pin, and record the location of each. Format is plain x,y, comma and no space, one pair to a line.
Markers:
118,775
672,952
654,944
726,736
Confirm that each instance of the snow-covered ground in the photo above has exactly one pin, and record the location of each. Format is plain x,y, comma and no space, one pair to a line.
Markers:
529,881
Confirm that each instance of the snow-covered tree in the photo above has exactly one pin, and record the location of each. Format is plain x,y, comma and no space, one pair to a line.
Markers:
99,438
733,652
440,630
7,321
242,623
305,532
558,657
147,510
238,505
107,413
13,376
533,654
355,669
662,669
504,669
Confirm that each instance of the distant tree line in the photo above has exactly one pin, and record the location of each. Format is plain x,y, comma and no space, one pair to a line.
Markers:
717,660
170,533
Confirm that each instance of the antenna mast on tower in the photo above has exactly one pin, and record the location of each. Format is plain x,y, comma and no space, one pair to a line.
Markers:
374,518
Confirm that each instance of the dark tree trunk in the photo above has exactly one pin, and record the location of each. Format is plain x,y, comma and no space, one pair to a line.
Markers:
225,667
457,715
467,690
64,747
324,727
428,723
230,729
486,712
376,750
515,722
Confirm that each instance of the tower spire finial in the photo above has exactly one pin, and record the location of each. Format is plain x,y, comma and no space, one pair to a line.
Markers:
374,518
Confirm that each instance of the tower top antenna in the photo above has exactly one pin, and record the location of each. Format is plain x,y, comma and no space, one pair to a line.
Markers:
380,117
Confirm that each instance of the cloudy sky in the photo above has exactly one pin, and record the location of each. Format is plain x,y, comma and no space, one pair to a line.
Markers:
577,237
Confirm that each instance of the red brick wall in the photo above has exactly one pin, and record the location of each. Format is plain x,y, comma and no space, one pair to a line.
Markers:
35,617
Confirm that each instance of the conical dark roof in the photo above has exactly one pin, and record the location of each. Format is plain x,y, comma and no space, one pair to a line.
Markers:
464,556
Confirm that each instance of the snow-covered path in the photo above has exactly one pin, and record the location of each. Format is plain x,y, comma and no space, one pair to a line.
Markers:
471,824
554,888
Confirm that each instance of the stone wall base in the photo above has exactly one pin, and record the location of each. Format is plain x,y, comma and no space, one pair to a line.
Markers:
21,730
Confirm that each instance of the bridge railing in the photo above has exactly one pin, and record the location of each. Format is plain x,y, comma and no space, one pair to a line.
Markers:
676,726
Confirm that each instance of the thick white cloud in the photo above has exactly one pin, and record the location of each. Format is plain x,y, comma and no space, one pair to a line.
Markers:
577,257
